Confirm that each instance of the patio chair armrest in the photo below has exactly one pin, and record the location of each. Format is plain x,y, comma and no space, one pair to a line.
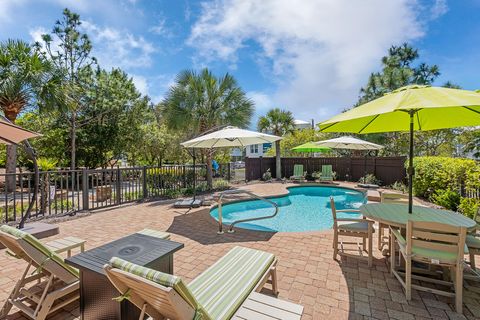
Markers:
355,220
349,210
396,233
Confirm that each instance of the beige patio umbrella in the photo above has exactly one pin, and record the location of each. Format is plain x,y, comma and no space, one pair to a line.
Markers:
13,134
226,137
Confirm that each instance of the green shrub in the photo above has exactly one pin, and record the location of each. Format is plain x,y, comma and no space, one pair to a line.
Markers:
221,184
469,206
173,193
442,173
399,186
370,179
267,175
448,199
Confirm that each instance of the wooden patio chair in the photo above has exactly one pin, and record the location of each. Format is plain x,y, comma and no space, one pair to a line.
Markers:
473,242
215,294
298,173
327,173
388,197
352,227
434,244
52,285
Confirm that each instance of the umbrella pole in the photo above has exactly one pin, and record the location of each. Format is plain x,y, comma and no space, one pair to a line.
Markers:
410,165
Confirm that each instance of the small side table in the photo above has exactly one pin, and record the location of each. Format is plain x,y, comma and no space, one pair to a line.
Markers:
96,291
260,306
66,244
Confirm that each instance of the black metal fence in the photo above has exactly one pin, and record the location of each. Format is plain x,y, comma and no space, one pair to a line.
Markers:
64,192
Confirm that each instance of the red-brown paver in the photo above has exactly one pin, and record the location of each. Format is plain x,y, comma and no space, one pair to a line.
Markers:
307,274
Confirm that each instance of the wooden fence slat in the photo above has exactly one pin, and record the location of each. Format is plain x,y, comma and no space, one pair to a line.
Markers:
387,169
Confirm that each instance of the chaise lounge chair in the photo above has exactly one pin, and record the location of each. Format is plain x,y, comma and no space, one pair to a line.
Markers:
298,173
216,294
51,286
327,173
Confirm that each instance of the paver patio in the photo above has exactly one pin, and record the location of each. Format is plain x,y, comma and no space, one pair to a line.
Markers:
306,272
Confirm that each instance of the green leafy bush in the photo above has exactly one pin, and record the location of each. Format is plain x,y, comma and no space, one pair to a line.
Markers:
267,175
399,186
221,184
370,179
442,173
448,199
469,206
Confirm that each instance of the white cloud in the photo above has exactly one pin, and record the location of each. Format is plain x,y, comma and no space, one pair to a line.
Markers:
319,52
438,9
140,83
119,48
7,10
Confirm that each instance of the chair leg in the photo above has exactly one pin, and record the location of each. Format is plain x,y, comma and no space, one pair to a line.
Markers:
273,273
380,236
472,260
335,244
364,244
370,250
459,288
7,306
408,279
392,254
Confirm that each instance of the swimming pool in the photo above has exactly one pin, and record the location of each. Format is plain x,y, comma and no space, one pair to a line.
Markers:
305,208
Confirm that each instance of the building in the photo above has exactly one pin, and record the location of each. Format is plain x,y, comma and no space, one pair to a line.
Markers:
300,124
258,150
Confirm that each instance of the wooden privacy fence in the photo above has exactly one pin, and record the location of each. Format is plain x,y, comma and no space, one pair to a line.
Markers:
387,169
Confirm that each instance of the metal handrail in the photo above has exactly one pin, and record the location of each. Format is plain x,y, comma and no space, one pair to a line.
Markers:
230,228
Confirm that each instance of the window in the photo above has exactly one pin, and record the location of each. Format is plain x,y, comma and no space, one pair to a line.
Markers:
254,148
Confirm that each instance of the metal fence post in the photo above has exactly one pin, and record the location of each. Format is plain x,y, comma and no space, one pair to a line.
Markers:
85,204
229,174
144,182
118,191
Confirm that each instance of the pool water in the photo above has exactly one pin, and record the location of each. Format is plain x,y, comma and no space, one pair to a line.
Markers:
303,209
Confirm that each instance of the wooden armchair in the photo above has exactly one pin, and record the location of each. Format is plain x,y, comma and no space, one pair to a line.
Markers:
388,197
352,227
434,244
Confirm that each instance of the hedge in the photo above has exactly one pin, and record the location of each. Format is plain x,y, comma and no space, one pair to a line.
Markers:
442,179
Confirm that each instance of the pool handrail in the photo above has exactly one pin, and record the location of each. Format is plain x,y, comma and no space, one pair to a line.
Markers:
239,191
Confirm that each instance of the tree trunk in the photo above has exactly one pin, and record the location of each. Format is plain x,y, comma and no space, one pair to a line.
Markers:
209,170
73,137
11,164
278,161
11,167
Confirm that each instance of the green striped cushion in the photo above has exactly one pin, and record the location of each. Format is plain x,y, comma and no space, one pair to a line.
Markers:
164,279
27,237
155,233
223,287
473,242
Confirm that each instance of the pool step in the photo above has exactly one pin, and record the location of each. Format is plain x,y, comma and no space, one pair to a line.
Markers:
373,195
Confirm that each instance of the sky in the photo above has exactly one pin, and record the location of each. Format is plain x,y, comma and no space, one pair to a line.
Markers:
308,56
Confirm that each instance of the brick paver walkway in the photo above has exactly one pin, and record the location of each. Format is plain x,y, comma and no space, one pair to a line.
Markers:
307,275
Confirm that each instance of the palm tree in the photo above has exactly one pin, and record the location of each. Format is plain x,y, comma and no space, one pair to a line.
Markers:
26,79
198,102
277,122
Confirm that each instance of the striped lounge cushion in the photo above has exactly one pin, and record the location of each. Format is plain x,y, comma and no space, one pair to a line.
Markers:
49,254
223,287
155,233
164,279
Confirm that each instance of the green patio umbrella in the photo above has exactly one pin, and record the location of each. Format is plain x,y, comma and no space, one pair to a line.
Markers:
310,147
408,109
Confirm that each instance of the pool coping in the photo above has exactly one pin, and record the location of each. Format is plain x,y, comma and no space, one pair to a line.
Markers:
300,185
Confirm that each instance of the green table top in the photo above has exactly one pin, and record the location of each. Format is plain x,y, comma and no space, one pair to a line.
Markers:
397,215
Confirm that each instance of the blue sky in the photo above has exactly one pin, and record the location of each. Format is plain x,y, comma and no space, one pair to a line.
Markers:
309,56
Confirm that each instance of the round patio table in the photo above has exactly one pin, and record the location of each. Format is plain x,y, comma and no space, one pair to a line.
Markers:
394,214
